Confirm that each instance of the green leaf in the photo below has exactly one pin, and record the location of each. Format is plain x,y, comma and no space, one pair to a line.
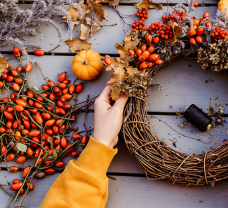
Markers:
56,153
21,147
45,155
49,157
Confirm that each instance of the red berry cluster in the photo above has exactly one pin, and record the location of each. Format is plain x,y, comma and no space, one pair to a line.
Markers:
162,30
219,33
180,15
143,14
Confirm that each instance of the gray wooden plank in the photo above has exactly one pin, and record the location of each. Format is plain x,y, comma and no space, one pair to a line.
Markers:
186,140
183,83
157,1
139,192
133,192
168,1
106,38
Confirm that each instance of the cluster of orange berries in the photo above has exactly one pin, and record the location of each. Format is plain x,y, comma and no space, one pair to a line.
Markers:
143,14
180,15
219,33
198,31
146,56
162,30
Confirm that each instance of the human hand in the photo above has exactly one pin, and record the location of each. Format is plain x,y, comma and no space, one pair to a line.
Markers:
108,119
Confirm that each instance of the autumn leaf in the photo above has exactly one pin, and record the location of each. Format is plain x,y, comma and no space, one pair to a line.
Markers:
98,9
115,77
50,141
3,65
119,75
123,51
84,32
83,9
77,12
112,2
177,31
148,4
87,31
78,45
115,63
74,15
131,71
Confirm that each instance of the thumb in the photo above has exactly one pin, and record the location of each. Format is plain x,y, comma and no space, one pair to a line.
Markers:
120,103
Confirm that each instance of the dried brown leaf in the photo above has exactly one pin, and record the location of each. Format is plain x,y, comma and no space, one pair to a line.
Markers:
3,65
148,4
132,71
86,30
123,51
177,31
78,45
74,15
116,76
112,2
83,9
100,13
57,137
50,141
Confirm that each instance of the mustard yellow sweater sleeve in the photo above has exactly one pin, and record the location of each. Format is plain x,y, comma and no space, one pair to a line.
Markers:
83,183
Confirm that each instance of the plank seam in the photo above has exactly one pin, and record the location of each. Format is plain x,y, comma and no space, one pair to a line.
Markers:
132,4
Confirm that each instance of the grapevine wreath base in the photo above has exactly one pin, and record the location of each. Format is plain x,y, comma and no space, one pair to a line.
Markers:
133,75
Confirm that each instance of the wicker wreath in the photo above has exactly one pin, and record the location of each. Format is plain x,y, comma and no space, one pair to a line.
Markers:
154,156
158,160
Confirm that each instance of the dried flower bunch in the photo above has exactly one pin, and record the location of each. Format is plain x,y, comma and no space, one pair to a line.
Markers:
144,51
214,57
16,22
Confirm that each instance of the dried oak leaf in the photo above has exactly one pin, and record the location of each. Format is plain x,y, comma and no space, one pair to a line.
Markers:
50,141
177,31
83,9
100,13
86,30
116,62
123,51
148,4
78,45
112,2
3,65
74,15
132,71
116,76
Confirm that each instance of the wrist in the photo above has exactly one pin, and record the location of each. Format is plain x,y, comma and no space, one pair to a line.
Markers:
102,140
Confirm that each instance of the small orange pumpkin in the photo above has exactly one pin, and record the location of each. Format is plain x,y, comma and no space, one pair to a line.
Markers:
222,5
86,65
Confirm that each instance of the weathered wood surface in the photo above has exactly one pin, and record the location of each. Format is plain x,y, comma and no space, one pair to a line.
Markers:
156,1
106,36
182,84
188,140
133,192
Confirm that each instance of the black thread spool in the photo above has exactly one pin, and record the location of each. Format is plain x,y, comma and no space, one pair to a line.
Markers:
198,118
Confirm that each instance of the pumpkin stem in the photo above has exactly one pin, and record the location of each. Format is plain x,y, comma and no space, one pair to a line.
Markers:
85,62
